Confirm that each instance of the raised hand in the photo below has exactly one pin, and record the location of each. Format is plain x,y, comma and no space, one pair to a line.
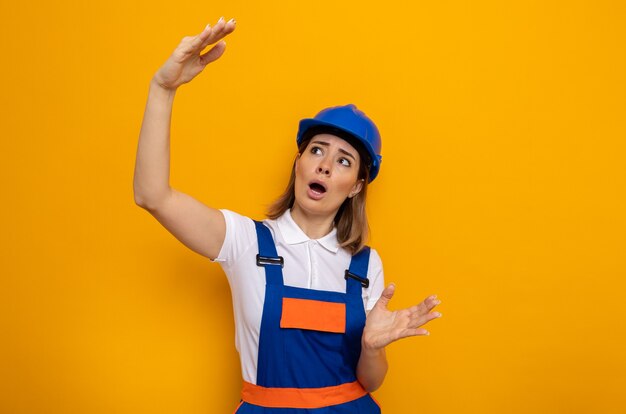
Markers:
384,326
186,62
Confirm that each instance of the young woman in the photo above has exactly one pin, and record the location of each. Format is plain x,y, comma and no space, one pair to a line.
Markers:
309,300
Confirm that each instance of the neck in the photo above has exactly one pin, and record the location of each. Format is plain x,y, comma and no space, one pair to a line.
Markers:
314,226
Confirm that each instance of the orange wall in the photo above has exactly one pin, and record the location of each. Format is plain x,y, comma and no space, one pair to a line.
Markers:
501,190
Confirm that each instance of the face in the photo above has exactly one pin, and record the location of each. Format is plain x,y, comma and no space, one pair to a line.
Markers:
326,174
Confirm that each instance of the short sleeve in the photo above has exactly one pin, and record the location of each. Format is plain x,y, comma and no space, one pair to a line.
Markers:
240,236
377,280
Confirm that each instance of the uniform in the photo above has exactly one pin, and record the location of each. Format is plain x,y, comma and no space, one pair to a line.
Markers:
298,326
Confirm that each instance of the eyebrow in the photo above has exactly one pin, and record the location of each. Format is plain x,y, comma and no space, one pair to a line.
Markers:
340,149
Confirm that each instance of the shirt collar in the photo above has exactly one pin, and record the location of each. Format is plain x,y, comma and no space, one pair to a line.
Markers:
293,234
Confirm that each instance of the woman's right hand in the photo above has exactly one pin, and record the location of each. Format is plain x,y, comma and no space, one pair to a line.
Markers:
186,63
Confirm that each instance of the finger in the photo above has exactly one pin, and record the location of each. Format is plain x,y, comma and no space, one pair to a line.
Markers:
230,26
198,40
428,304
207,36
386,295
415,322
414,309
412,332
215,31
221,30
213,54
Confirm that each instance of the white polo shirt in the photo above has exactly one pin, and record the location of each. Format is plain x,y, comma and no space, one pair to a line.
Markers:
313,264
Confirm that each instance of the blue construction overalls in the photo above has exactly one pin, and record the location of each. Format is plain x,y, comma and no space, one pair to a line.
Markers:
309,344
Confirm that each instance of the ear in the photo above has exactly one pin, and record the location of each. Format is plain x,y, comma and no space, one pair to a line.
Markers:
356,189
296,162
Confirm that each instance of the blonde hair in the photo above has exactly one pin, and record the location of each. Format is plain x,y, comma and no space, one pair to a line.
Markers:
351,218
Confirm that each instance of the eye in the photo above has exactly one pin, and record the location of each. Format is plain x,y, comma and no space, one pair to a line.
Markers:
316,150
345,162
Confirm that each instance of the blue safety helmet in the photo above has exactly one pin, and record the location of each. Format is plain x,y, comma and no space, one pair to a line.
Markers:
351,124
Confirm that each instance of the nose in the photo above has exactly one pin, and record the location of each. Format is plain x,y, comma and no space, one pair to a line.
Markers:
323,169
324,165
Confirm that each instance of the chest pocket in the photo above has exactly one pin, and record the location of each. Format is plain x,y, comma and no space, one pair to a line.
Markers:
313,315
314,324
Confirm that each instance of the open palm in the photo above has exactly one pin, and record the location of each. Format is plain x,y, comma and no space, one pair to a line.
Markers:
384,326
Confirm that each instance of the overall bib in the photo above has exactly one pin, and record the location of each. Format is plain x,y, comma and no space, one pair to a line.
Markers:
309,343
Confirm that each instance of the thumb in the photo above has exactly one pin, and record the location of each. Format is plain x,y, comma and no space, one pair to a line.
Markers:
214,53
387,294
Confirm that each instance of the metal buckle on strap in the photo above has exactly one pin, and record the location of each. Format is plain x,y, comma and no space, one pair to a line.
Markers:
365,282
265,260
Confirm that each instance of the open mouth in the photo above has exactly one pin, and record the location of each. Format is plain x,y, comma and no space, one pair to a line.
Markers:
317,188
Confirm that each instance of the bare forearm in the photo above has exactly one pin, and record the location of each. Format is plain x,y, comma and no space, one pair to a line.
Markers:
152,165
372,368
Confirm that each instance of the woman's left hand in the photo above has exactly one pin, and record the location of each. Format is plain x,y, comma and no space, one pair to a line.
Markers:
384,326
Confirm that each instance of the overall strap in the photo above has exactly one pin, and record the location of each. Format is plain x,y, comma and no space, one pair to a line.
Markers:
356,275
267,256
